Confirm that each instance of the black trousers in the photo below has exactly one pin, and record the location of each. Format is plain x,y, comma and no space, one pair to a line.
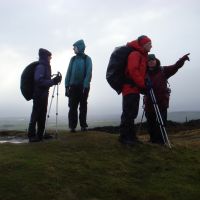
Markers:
38,116
77,98
130,107
153,125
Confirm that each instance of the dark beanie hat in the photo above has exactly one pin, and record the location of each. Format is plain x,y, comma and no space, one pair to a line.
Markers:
143,39
151,57
43,52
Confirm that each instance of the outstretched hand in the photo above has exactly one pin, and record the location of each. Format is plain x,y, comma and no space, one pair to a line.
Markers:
186,57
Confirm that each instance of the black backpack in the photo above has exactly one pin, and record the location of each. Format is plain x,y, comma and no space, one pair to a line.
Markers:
27,81
115,74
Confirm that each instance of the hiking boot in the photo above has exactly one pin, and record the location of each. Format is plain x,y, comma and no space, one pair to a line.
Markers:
73,130
34,139
161,142
47,136
129,142
83,129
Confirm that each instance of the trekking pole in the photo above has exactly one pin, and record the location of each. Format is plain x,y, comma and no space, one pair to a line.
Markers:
57,112
159,117
48,114
140,126
57,93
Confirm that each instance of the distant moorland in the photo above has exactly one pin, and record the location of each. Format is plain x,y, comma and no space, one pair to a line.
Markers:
21,123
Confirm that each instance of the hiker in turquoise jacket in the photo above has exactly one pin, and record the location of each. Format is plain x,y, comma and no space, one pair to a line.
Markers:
77,86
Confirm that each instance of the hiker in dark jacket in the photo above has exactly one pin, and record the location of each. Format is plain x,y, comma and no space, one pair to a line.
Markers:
77,84
135,70
159,80
42,83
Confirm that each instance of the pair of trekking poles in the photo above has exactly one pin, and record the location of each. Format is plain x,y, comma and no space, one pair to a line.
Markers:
55,88
158,115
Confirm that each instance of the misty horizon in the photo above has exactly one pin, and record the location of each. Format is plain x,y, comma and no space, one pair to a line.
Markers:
57,26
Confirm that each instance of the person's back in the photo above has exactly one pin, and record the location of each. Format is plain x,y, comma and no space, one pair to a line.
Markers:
77,84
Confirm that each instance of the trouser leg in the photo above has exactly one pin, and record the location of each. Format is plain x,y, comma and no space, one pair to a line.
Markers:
83,109
38,116
32,123
130,106
73,107
34,117
164,119
42,116
153,126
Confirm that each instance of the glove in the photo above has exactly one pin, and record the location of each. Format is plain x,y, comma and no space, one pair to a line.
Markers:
67,91
57,79
182,60
85,91
143,91
185,57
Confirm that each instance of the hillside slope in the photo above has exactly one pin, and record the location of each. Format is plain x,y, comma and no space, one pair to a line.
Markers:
95,166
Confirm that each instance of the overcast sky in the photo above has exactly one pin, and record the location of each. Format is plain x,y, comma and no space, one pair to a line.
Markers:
27,25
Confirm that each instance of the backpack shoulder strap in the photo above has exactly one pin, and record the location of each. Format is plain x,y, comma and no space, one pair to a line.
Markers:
72,60
85,64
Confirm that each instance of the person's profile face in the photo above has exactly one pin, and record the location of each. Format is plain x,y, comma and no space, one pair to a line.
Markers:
49,58
147,47
152,63
75,49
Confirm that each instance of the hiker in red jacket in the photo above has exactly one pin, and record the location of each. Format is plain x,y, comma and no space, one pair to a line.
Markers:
158,76
135,70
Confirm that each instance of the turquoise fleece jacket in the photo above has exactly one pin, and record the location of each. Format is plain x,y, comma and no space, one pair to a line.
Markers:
80,68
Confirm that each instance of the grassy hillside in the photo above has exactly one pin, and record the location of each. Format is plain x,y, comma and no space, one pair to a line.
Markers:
94,166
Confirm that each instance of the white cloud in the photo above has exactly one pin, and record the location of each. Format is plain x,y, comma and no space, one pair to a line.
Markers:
56,25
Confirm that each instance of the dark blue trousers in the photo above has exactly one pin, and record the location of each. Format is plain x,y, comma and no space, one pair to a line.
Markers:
38,116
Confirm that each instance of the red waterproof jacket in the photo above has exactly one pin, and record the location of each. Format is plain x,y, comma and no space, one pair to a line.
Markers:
136,69
159,77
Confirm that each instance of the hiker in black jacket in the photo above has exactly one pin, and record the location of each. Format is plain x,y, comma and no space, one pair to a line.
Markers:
42,83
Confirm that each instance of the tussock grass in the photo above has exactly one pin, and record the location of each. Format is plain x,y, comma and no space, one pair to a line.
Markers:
94,166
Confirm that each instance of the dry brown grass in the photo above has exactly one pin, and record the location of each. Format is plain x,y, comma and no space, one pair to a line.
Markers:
186,138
